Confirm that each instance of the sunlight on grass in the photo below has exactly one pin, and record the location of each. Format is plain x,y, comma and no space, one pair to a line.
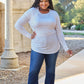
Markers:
73,38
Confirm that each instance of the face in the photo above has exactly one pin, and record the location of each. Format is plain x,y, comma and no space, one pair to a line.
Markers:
44,4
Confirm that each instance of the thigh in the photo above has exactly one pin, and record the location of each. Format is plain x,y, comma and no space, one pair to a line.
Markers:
36,61
50,60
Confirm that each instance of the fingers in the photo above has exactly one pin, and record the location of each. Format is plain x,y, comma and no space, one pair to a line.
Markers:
33,35
69,52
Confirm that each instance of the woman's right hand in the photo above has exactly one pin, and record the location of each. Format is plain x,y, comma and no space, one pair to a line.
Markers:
33,35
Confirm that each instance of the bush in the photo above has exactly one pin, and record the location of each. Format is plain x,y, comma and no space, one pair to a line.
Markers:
64,25
80,27
77,27
67,25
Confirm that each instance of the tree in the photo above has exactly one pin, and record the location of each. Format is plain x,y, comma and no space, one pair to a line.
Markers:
58,7
76,14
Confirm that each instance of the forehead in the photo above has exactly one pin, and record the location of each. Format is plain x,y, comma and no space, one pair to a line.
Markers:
44,0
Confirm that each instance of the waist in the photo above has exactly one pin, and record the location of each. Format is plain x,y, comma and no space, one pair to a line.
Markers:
45,34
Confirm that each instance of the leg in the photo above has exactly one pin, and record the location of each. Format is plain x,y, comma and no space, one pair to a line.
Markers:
50,60
35,65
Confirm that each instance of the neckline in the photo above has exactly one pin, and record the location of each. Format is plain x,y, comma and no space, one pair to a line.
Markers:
42,13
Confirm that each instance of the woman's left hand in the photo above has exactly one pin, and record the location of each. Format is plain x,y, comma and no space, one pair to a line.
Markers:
69,52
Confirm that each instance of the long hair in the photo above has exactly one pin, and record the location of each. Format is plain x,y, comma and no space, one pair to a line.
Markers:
36,4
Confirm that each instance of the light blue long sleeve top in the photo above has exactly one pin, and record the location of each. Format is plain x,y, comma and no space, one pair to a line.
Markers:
48,30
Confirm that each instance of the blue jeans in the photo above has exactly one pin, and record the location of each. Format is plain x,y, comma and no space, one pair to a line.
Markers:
36,61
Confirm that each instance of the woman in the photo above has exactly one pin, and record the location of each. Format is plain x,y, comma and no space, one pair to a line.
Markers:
45,39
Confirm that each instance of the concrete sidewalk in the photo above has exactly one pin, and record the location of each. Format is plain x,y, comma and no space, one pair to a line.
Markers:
71,67
76,79
74,31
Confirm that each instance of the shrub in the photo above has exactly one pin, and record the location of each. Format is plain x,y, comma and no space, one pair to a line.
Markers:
64,25
80,27
77,27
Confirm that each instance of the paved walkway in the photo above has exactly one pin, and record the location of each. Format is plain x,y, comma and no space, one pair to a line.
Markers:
74,31
73,66
77,79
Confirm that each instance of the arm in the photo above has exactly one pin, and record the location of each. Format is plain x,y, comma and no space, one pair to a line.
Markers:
60,33
19,25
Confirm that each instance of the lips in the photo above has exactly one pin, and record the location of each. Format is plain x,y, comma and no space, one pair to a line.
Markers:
43,6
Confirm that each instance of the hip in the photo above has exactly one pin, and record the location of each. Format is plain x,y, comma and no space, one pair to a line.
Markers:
45,41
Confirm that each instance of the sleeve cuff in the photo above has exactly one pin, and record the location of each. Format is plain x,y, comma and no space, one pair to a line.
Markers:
66,49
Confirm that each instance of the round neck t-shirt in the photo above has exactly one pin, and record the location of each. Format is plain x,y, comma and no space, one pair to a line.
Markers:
48,30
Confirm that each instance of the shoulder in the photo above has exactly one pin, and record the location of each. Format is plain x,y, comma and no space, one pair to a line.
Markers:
30,10
55,12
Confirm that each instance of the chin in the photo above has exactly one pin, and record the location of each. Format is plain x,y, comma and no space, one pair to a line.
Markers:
44,8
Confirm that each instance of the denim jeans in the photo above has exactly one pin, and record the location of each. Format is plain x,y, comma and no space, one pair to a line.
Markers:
36,61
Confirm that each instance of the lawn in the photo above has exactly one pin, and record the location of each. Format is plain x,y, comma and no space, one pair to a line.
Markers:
72,33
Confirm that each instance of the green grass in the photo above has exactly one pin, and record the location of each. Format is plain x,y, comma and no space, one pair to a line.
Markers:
72,33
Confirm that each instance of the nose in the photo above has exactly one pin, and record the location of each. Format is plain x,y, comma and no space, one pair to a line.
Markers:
43,3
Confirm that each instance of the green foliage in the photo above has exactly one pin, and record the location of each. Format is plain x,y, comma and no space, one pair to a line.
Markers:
68,25
76,14
58,7
66,2
64,25
72,33
80,27
55,2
